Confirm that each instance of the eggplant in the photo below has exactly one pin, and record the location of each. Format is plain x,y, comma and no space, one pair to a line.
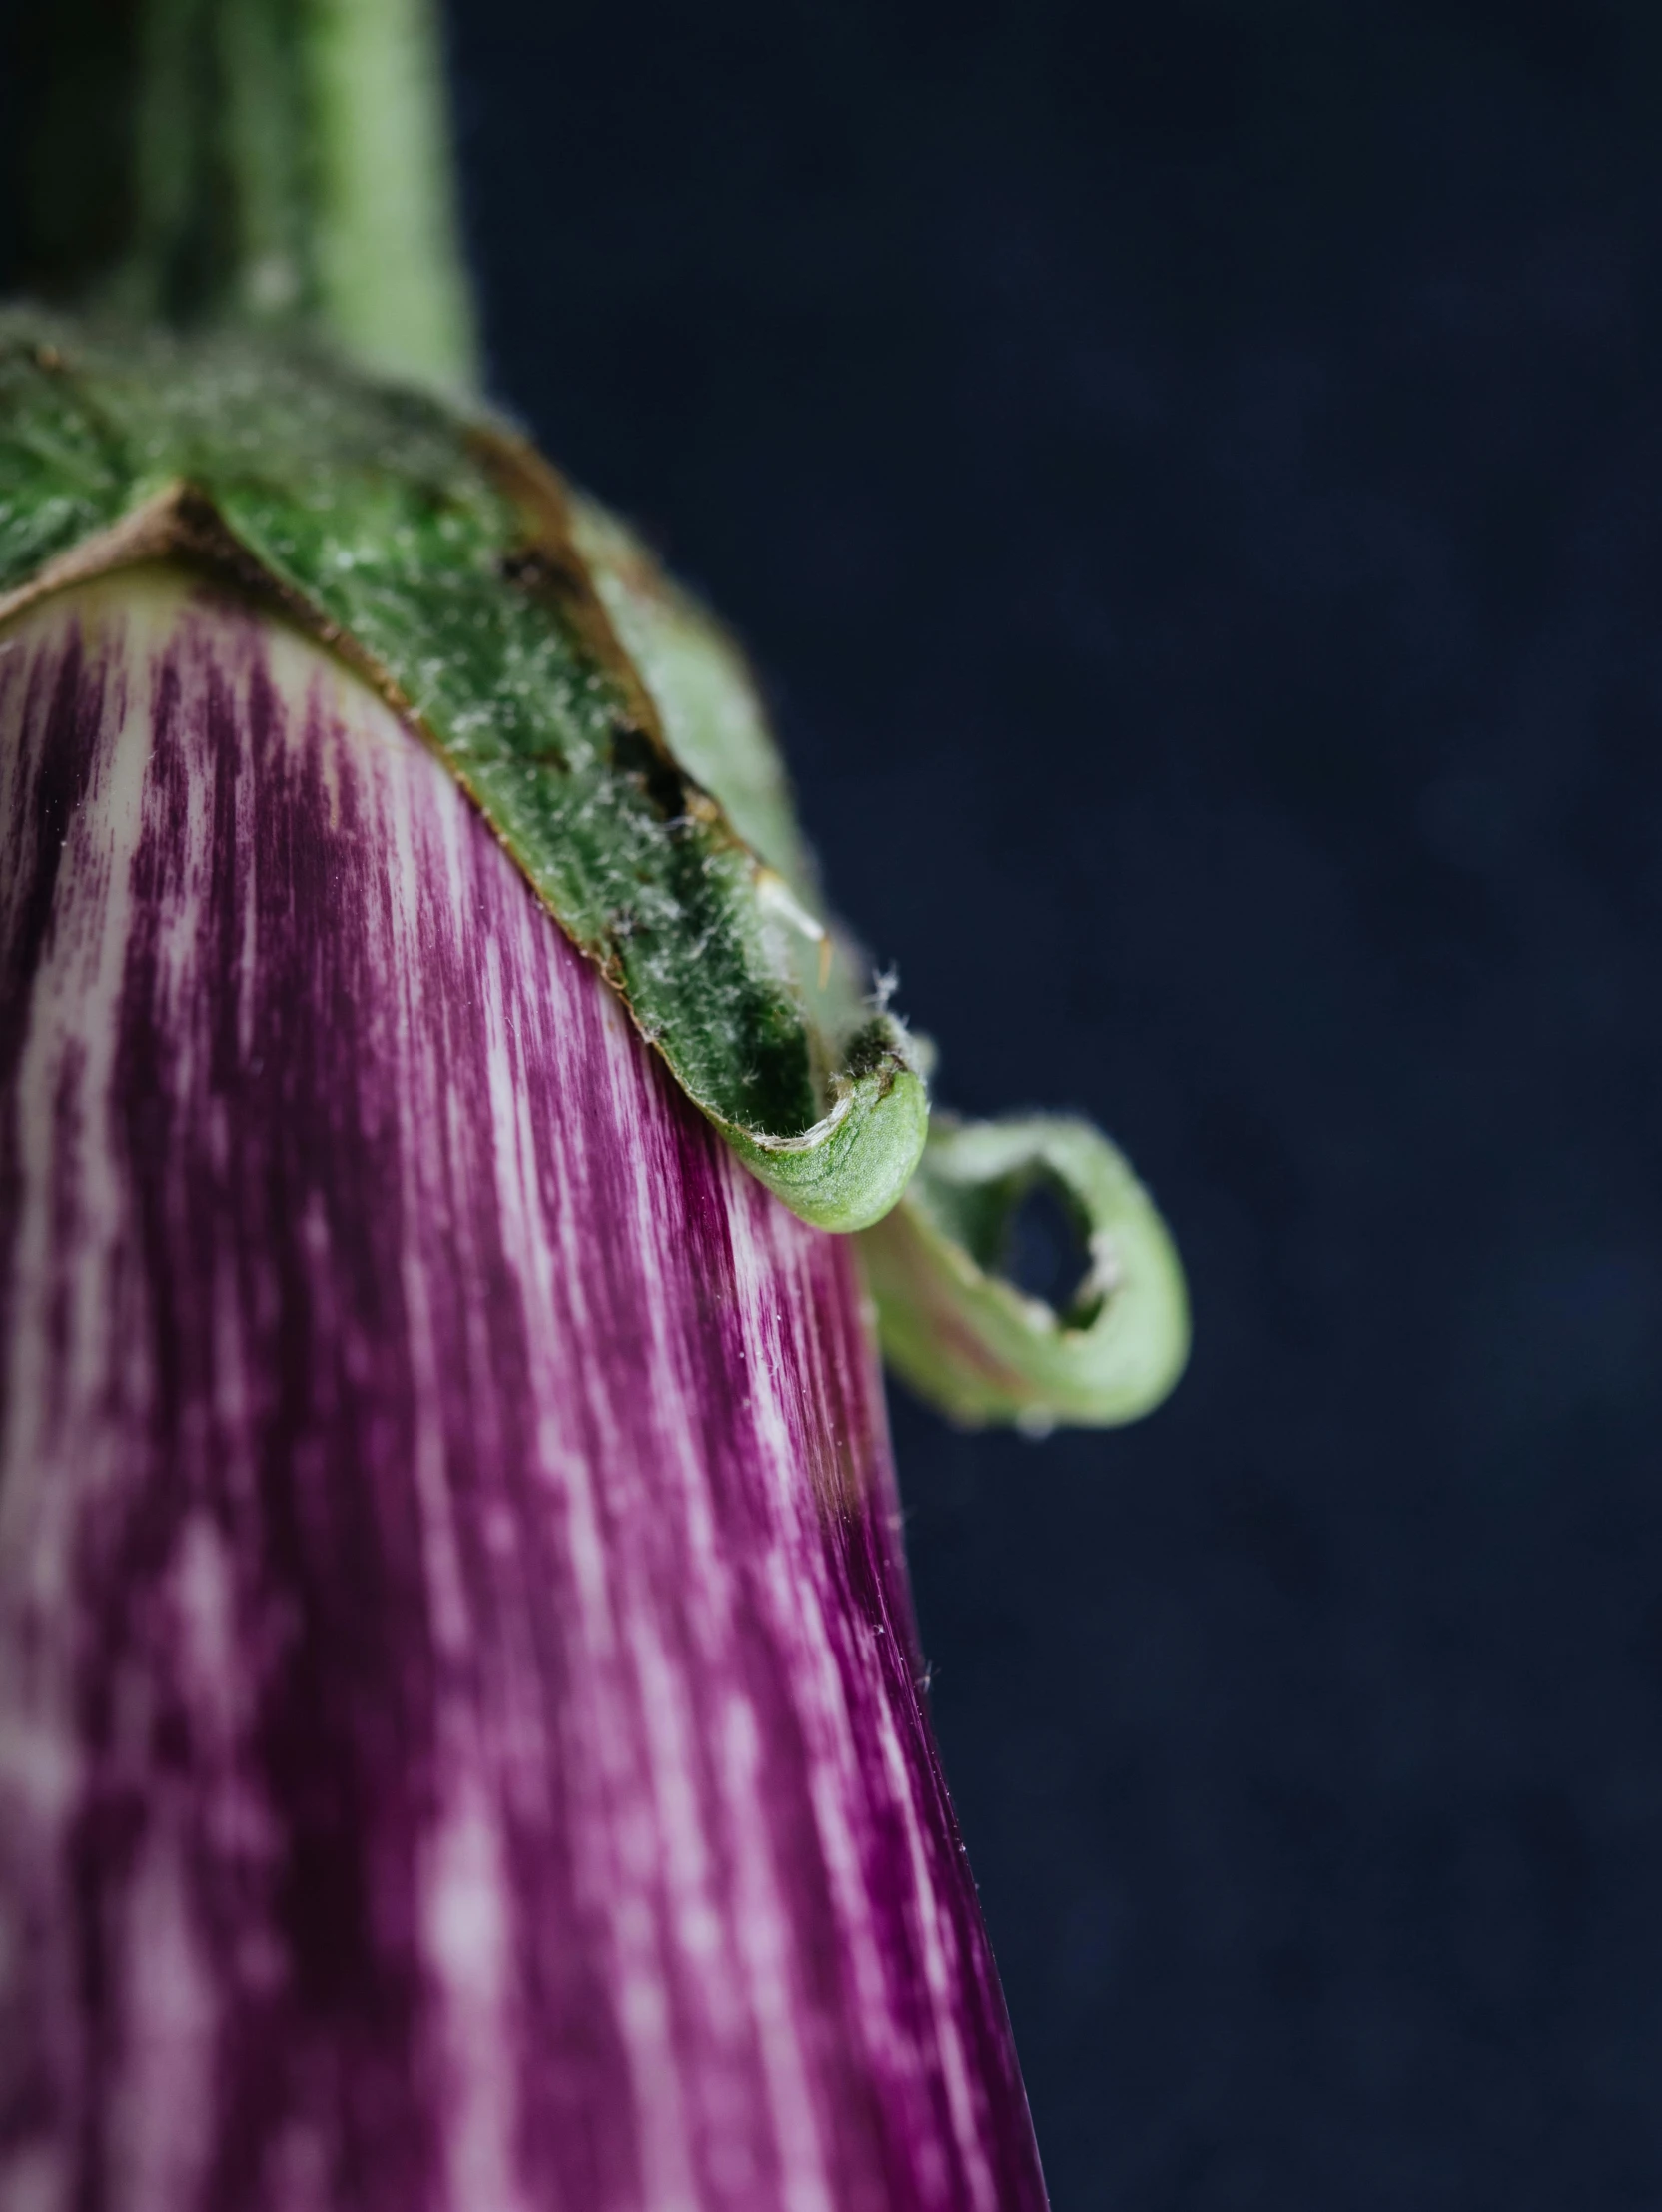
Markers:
464,1742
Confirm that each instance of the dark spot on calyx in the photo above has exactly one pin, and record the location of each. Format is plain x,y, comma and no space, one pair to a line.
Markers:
635,754
870,1050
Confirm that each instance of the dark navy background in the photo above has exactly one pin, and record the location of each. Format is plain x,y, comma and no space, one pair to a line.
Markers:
1191,475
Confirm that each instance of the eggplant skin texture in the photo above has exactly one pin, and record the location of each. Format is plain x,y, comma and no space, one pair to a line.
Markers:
460,1738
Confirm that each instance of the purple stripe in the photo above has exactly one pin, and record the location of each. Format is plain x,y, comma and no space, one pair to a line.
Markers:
459,1735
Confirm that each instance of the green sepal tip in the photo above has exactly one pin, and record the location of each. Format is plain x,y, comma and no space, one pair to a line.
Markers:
851,1168
976,1346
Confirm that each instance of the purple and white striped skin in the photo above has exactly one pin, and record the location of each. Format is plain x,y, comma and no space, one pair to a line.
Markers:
460,1745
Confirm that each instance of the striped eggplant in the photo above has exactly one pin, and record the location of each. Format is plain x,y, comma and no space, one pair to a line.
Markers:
461,1737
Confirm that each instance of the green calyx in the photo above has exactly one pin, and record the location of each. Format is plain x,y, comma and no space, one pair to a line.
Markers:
613,737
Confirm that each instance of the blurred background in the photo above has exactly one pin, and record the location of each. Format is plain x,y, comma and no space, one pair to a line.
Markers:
1190,475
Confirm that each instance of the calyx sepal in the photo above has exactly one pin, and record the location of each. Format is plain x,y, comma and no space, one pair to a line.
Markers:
978,1346
612,734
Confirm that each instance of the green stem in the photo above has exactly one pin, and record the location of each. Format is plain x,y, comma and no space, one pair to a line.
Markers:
284,163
